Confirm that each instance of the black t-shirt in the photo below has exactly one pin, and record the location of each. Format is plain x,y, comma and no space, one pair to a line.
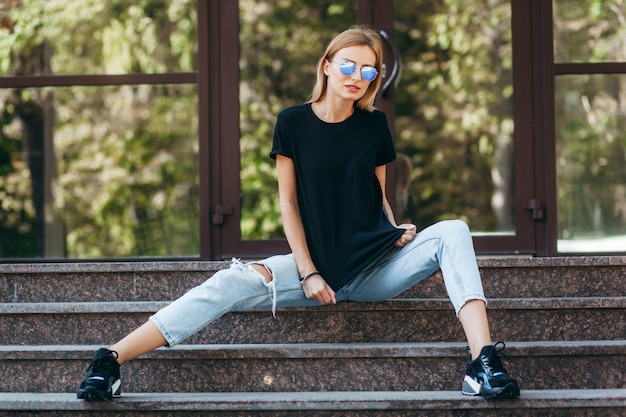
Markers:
339,195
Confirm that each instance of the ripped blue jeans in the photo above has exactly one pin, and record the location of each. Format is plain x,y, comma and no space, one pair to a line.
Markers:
446,245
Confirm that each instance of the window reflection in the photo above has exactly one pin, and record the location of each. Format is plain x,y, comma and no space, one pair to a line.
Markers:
591,162
454,113
280,43
91,172
97,37
589,30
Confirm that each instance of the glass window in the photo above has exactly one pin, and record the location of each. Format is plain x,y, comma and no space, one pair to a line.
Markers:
98,171
589,30
98,37
591,162
91,172
454,114
280,43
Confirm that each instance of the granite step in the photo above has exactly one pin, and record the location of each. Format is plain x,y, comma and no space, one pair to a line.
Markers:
599,364
414,320
554,403
563,320
523,277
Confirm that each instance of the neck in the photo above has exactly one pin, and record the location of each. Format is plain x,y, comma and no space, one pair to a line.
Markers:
333,112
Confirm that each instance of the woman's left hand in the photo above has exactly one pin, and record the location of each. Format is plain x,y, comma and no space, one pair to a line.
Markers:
410,230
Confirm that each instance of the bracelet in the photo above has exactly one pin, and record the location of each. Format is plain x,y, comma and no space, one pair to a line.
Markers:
307,276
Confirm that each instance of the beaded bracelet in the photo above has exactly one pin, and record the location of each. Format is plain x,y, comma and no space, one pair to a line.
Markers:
307,276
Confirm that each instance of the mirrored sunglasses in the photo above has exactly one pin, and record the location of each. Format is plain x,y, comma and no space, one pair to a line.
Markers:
368,73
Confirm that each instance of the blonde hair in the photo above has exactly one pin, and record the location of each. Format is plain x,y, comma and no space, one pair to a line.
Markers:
356,35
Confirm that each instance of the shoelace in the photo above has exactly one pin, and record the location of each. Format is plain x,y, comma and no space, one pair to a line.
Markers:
102,365
493,360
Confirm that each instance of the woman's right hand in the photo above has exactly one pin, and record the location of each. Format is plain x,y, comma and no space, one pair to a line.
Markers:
410,230
316,288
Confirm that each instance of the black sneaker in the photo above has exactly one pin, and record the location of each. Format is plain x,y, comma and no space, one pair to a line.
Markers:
487,377
103,378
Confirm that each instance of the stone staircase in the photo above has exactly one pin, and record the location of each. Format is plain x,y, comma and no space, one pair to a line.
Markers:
563,321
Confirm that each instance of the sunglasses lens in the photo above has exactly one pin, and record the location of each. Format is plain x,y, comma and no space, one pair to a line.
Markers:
347,68
369,73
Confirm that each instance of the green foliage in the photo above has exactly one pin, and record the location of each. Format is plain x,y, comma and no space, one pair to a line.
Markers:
590,119
453,106
132,175
125,157
17,216
280,43
591,156
125,177
589,30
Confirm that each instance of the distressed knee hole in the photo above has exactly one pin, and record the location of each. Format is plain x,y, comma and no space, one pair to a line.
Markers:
263,270
268,275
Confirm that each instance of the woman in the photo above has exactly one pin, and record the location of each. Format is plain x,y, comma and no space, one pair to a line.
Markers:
331,155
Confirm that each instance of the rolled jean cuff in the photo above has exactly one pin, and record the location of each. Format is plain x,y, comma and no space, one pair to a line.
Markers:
459,304
168,338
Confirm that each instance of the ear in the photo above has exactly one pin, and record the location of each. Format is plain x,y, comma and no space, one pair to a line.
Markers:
326,67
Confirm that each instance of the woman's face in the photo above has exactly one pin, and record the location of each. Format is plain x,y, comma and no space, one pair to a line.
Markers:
349,87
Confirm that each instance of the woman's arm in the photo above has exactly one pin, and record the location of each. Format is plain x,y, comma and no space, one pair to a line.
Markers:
381,174
314,287
410,229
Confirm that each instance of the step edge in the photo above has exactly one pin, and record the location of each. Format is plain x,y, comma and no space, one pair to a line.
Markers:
7,267
320,350
337,400
531,303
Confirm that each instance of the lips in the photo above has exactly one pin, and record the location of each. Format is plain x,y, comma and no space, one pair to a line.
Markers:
353,88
